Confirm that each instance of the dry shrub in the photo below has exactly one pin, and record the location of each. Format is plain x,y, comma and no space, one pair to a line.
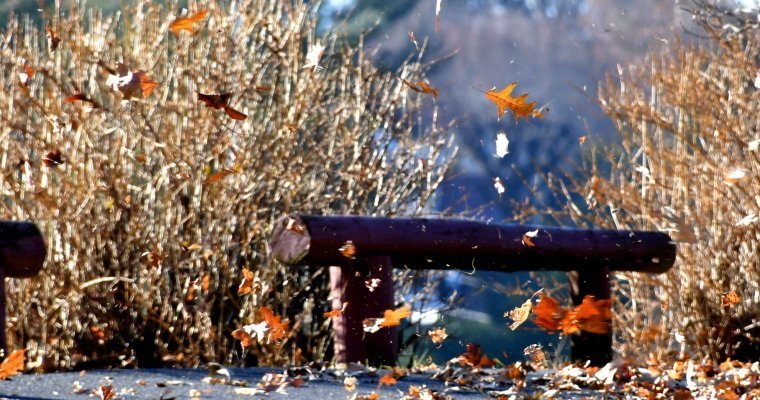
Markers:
686,119
146,240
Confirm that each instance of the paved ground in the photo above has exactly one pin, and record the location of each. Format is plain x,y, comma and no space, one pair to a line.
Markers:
190,384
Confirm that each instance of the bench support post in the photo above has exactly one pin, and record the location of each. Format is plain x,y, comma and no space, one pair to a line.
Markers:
591,347
3,338
348,284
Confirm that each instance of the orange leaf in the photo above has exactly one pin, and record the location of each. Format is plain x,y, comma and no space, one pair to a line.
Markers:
591,315
234,114
75,97
187,23
277,329
519,107
388,380
535,353
336,313
13,364
245,339
421,87
348,249
105,392
247,284
146,85
394,317
519,314
217,176
474,357
548,313
53,39
731,299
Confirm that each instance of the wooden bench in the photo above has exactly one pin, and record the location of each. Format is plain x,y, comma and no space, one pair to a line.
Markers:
22,252
422,243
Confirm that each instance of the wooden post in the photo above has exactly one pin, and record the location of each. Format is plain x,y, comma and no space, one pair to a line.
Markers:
591,347
3,339
348,284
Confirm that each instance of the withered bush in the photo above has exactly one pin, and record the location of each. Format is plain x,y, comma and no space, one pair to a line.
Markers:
685,164
160,202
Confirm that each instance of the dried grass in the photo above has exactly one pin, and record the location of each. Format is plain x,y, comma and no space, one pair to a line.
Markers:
132,220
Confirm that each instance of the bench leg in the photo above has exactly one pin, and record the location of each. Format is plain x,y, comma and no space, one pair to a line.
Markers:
3,327
592,347
351,343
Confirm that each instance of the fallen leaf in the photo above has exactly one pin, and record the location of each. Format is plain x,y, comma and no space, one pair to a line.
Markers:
502,144
519,107
53,39
438,335
349,383
731,299
336,313
421,87
105,392
548,313
348,249
13,364
534,353
519,314
313,55
387,380
394,317
187,23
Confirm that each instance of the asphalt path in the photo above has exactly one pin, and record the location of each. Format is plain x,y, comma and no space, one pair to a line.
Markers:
179,384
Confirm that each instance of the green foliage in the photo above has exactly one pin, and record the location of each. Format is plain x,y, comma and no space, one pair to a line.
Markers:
134,220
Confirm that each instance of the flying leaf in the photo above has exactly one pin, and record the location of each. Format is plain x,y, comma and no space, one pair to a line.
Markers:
527,238
594,316
582,140
735,175
105,392
219,175
336,313
548,313
76,97
313,55
130,83
372,284
277,329
26,74
348,249
294,226
246,285
220,101
748,220
474,357
13,364
187,23
437,11
53,39
519,107
372,325
754,145
498,186
350,383
534,353
394,317
421,87
731,299
438,335
53,159
248,333
414,40
519,314
502,144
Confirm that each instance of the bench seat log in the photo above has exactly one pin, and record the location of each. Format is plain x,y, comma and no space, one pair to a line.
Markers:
22,252
425,243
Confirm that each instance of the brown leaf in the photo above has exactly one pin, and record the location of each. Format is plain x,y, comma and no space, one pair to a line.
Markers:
105,392
53,39
13,364
520,314
534,353
217,101
76,97
474,357
187,23
53,159
219,175
234,114
528,237
519,107
277,329
421,87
